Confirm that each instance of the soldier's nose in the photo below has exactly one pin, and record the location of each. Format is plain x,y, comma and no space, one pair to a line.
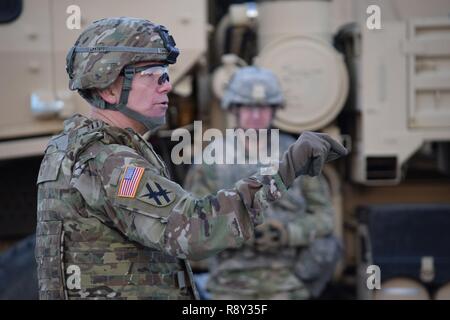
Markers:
166,87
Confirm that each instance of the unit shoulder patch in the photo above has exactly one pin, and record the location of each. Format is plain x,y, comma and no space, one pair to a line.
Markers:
156,195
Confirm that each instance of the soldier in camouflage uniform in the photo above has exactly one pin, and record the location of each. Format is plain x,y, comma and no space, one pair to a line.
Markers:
294,252
111,223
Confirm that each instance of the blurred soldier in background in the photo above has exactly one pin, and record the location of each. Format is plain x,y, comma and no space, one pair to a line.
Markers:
294,253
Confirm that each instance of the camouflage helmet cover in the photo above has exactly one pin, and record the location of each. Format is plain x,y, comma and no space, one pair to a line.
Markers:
253,86
107,45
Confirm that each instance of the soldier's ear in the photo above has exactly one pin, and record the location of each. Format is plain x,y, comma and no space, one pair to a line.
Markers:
112,93
108,95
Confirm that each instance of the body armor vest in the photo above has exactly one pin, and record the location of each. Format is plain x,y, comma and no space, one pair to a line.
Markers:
94,260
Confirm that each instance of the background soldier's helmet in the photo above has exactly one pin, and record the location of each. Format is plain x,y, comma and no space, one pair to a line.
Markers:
106,46
253,86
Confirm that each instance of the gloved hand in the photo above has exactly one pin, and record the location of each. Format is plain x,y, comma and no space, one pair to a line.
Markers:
308,155
270,235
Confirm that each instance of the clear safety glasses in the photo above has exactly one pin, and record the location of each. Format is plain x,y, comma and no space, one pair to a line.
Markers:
161,71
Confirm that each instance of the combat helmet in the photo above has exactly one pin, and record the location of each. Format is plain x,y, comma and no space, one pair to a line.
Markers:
107,48
253,86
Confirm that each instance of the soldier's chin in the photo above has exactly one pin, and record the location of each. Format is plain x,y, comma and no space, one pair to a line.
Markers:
257,126
159,110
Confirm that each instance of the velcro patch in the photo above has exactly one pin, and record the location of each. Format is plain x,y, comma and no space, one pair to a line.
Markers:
130,181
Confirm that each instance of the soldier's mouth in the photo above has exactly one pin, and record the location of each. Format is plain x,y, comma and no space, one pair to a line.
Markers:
164,104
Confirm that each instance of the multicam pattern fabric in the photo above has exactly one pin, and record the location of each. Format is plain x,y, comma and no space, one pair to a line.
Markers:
94,244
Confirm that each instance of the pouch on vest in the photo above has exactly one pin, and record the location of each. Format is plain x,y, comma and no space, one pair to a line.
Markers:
50,167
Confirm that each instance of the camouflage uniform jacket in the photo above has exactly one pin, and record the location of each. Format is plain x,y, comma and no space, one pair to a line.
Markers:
111,224
306,211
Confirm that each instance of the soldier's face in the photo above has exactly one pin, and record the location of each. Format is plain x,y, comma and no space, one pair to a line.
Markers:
147,96
251,117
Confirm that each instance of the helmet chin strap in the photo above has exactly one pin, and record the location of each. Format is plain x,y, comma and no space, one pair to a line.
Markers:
151,123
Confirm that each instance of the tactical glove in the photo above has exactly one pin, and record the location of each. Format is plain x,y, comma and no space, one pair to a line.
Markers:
308,155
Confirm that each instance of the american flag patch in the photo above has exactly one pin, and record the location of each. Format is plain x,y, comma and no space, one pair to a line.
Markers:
130,182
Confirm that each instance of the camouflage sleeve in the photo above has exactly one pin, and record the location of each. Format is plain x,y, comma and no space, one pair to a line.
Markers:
156,212
318,219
